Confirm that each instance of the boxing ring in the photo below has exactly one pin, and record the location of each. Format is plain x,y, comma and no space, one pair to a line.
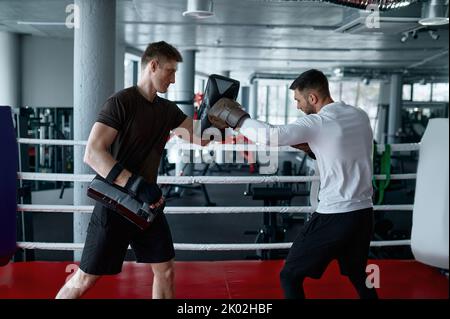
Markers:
244,279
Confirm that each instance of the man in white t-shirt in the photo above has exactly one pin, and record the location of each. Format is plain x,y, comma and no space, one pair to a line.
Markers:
340,137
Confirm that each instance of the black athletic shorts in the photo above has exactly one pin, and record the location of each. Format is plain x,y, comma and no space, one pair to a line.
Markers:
325,237
109,235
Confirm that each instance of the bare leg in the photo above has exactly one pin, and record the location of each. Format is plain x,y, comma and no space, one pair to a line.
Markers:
163,280
76,286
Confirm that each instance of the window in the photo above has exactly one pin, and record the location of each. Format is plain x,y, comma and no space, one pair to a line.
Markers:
406,94
335,90
349,92
200,84
364,96
132,65
422,92
440,92
277,104
368,97
292,112
262,102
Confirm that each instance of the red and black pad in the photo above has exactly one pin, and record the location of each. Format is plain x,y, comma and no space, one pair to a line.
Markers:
118,199
217,87
8,185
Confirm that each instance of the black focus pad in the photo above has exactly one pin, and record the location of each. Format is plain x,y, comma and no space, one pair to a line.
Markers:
312,155
118,199
217,87
133,184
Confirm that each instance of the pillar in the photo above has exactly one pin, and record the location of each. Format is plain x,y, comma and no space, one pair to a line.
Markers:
94,65
395,107
183,94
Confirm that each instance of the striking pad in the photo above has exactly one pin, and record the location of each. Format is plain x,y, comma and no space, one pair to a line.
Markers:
118,199
217,87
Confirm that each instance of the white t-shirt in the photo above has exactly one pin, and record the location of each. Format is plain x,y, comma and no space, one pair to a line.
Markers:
341,138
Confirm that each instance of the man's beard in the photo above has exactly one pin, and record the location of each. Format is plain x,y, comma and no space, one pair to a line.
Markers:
309,109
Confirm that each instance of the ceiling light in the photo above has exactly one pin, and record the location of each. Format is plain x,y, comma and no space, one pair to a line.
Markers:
433,34
338,72
404,37
434,12
199,9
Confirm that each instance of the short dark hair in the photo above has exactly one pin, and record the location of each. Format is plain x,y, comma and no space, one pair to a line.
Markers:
162,51
312,79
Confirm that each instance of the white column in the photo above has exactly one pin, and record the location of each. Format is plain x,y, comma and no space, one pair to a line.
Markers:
94,66
253,107
382,115
183,94
10,69
245,97
395,107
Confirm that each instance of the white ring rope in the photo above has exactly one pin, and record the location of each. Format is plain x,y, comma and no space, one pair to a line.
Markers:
50,142
199,247
176,179
201,209
203,180
218,147
264,148
197,179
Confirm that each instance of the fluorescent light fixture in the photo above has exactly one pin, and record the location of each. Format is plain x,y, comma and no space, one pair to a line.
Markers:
434,12
400,4
40,23
433,21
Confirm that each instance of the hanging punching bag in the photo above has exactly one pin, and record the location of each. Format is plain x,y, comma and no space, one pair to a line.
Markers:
430,231
8,185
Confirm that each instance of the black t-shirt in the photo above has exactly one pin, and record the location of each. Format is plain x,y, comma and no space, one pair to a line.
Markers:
143,129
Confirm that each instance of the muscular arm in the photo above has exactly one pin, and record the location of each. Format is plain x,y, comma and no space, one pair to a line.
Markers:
97,155
186,132
276,135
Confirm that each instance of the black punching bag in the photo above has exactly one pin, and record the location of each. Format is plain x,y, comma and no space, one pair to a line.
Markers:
8,185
